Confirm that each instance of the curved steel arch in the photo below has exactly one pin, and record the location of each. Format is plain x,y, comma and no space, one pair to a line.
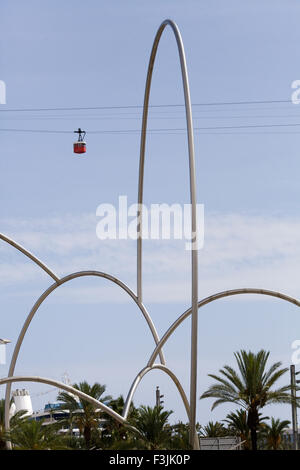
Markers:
171,374
139,377
192,178
150,365
30,256
209,299
41,299
67,388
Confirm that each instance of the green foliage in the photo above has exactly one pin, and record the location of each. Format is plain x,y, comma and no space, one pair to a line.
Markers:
238,426
179,438
272,434
251,387
34,435
16,420
113,431
152,423
214,430
82,413
2,424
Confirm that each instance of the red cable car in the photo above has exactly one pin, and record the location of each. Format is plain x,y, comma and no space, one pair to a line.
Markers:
80,145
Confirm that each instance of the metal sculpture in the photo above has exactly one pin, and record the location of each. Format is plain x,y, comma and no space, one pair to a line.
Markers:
192,181
190,406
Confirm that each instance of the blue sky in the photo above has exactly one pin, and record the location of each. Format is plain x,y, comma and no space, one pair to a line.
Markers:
55,54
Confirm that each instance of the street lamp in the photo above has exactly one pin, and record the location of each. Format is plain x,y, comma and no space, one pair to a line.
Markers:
3,343
159,397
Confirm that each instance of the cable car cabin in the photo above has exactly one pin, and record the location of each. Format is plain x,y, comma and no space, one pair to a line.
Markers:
79,147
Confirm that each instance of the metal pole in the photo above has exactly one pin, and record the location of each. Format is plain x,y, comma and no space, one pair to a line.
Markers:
294,407
157,396
30,256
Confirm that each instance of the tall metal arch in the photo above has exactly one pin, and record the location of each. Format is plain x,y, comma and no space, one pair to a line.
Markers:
173,377
210,299
139,377
138,298
39,302
150,364
67,388
30,256
192,180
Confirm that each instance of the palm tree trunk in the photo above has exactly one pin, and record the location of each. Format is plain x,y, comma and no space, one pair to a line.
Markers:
71,423
87,436
254,438
253,422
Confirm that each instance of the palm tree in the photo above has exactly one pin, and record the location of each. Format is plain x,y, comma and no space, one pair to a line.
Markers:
214,430
33,435
113,430
180,436
84,413
237,424
273,433
251,388
2,424
15,420
71,404
152,423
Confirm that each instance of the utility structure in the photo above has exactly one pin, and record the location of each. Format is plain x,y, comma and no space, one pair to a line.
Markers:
3,343
158,397
294,405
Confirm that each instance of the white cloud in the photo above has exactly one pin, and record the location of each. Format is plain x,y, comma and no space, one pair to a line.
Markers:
239,251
